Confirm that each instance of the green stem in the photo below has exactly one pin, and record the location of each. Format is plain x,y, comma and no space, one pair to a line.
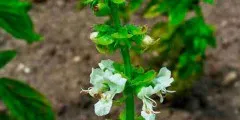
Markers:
114,14
128,92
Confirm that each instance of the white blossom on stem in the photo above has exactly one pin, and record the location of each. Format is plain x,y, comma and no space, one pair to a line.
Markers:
106,85
161,82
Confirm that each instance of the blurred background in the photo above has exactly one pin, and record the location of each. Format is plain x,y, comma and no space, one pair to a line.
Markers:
60,65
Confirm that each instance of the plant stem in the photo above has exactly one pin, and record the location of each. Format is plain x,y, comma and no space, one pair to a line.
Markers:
114,15
128,92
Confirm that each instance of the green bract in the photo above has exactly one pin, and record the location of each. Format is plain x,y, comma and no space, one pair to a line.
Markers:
108,39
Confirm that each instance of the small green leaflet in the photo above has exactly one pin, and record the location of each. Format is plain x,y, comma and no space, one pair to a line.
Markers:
24,102
144,79
6,56
103,28
15,20
104,39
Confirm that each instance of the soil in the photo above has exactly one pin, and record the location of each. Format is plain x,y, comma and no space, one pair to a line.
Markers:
60,65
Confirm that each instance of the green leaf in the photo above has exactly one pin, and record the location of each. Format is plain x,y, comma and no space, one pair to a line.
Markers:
104,39
15,20
178,13
102,28
162,30
152,12
200,45
211,40
103,49
196,27
137,70
24,102
144,79
118,1
118,67
119,35
136,30
6,56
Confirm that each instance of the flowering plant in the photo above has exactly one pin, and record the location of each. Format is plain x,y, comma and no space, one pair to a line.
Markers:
113,78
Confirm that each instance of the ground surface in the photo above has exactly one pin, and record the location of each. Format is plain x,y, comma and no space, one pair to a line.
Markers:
60,65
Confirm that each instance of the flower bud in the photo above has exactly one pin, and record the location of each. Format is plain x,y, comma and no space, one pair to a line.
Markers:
93,35
147,40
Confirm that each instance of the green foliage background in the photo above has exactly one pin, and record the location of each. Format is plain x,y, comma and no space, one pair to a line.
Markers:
22,101
183,40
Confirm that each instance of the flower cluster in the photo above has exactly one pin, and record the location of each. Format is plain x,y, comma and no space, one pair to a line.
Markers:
109,39
161,82
106,84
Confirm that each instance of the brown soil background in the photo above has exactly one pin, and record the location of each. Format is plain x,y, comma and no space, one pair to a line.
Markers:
60,65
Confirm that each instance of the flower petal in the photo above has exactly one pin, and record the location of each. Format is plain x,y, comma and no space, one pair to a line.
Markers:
117,83
103,107
106,64
145,91
148,116
163,82
96,76
164,72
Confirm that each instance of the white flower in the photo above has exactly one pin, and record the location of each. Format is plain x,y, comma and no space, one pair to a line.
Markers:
103,106
93,35
106,85
147,109
162,81
147,40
